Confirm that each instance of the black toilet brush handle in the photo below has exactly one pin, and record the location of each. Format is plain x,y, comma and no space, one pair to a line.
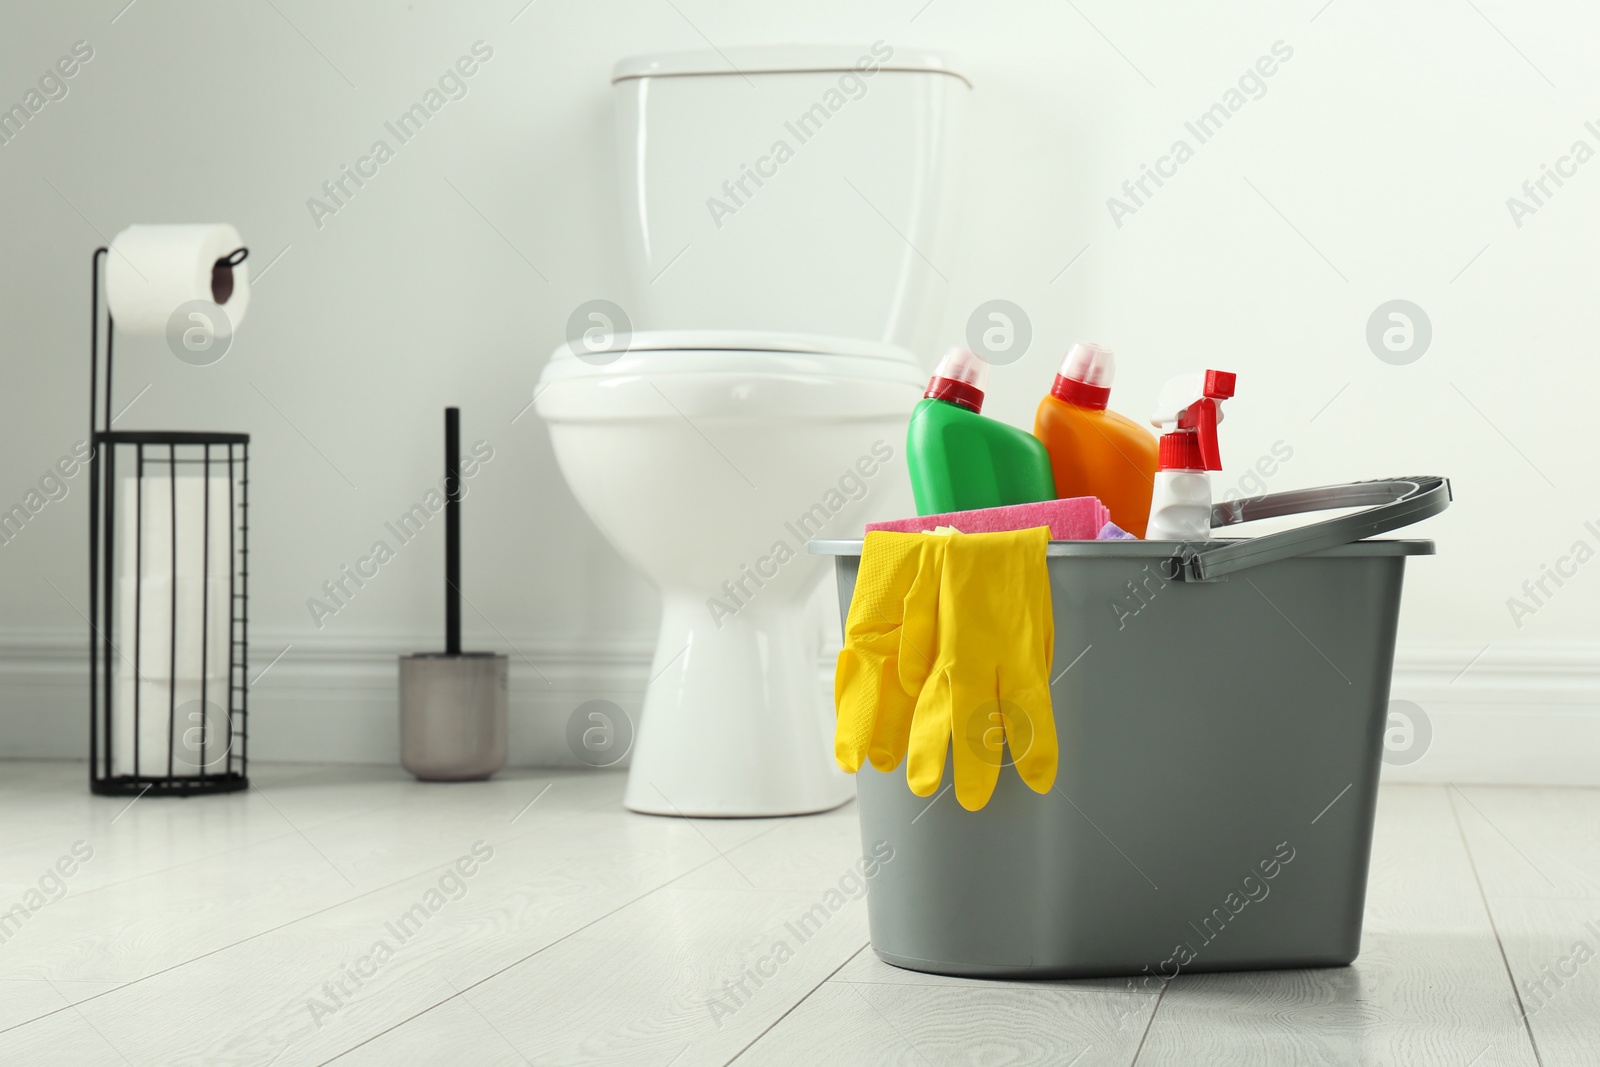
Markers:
452,531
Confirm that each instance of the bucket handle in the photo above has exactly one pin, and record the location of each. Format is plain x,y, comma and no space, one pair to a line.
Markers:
1390,504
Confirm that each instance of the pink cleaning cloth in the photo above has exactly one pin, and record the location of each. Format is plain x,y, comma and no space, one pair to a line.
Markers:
1075,518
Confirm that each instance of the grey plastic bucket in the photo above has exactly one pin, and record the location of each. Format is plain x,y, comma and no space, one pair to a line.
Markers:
1220,708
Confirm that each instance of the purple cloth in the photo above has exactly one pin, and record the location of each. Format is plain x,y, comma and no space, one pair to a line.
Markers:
1112,532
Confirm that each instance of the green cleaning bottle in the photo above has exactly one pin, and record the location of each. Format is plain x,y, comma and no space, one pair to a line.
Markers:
961,461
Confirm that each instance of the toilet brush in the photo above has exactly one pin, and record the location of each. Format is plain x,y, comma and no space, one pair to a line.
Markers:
452,703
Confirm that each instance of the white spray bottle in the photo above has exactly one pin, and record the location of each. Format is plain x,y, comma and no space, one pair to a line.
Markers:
1188,410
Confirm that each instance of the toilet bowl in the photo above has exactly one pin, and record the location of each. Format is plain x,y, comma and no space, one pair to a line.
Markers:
775,202
708,459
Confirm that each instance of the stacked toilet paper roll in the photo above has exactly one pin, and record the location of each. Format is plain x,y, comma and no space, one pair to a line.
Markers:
153,270
173,623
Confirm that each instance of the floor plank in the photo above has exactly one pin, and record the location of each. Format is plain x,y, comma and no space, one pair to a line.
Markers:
704,965
228,930
290,991
62,1039
453,1032
869,969
1532,842
1553,948
1537,857
559,871
1430,985
22,1000
149,922
870,1023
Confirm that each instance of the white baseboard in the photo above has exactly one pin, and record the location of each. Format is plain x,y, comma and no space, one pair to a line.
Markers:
1519,715
325,702
1527,714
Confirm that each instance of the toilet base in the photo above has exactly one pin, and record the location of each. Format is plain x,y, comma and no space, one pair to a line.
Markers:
736,722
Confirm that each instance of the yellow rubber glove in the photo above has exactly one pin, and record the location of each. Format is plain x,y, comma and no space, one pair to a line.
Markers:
991,677
889,640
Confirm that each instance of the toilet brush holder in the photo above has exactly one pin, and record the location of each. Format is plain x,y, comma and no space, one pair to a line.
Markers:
453,703
453,715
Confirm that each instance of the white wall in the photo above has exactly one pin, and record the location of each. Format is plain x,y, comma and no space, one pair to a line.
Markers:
1376,166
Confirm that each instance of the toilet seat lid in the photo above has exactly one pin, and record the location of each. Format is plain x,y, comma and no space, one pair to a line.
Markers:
781,59
743,373
665,342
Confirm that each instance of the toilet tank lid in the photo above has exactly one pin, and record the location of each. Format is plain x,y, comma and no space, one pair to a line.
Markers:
758,341
782,59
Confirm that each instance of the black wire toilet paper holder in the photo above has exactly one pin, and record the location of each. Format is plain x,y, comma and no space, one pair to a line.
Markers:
206,748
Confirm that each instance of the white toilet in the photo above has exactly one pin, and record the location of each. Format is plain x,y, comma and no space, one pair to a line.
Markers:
785,210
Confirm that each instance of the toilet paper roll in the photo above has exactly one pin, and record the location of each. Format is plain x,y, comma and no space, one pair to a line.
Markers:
182,725
152,271
145,508
201,648
181,688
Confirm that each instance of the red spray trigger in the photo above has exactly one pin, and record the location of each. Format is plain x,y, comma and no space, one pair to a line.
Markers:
1219,387
1202,419
1202,415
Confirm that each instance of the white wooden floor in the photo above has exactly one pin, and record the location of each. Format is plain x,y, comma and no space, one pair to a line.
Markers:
217,930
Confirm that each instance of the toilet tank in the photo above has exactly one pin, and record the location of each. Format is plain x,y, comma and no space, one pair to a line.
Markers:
798,189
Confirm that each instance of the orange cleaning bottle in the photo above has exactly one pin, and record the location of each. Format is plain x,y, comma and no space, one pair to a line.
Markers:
1093,451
